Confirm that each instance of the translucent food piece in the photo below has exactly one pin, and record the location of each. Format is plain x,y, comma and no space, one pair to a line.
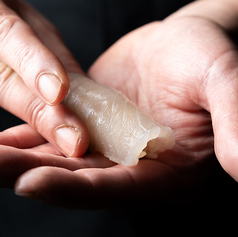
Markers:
117,128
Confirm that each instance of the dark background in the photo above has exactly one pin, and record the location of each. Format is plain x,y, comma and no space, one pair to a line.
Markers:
88,28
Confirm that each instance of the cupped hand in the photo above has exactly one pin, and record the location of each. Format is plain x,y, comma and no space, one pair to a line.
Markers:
33,76
22,148
183,71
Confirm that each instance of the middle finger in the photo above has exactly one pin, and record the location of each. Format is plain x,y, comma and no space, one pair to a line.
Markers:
57,124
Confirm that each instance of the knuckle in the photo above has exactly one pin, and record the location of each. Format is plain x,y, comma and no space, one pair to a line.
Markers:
35,112
24,58
11,27
7,24
6,74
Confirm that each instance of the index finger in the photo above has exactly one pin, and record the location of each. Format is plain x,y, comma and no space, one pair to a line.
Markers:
21,49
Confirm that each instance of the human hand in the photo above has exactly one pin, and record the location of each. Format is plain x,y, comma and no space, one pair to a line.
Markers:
33,76
183,72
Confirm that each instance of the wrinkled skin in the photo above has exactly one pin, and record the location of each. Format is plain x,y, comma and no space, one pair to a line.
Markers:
183,72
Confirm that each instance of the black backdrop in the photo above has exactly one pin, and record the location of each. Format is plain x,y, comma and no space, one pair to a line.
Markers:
88,28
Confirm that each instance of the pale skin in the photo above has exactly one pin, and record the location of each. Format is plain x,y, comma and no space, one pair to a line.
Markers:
183,71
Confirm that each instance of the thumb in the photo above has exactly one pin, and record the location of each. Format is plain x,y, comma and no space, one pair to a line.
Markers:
222,88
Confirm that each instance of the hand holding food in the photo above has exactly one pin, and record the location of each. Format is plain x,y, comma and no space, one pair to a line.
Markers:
182,72
33,76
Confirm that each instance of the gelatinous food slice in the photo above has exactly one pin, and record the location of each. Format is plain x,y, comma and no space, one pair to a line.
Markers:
117,128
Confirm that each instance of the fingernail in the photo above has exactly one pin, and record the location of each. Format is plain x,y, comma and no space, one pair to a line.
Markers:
67,138
49,86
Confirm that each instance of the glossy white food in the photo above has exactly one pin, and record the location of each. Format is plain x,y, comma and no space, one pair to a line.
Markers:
117,128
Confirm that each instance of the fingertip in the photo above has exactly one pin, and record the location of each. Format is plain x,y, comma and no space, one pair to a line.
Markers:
63,77
30,182
52,185
52,87
73,141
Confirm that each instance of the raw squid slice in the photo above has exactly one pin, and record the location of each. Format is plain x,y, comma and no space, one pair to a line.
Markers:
117,128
